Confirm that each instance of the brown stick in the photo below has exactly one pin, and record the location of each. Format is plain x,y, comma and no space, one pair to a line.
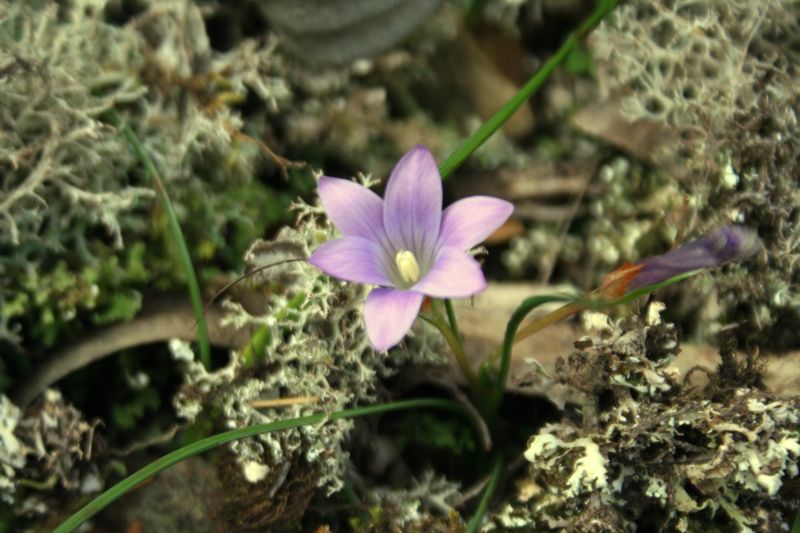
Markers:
162,319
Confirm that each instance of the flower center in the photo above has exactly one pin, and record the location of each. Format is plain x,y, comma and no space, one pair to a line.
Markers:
407,266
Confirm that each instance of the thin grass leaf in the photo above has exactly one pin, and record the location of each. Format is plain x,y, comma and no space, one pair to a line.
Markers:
114,118
519,314
200,446
487,129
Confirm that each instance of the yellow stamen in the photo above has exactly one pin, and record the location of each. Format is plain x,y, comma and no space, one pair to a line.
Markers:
407,265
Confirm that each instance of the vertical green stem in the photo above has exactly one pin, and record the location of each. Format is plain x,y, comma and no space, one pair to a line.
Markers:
456,347
475,523
451,317
115,119
457,158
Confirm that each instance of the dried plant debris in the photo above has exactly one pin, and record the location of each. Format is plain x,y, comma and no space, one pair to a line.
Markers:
50,445
643,452
723,75
314,346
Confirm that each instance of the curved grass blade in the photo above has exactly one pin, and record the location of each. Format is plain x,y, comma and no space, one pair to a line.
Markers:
118,490
527,305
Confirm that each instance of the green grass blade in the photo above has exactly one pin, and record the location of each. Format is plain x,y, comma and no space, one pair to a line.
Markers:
115,119
519,314
475,523
603,8
104,499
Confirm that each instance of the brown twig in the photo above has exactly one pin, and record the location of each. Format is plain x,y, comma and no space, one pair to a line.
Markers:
283,402
279,160
162,319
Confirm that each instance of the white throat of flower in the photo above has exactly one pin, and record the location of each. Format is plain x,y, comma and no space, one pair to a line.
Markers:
407,266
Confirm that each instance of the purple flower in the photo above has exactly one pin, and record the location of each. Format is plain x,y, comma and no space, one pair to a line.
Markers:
725,244
405,243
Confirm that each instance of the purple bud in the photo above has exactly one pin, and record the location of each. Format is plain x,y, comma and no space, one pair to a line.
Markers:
725,244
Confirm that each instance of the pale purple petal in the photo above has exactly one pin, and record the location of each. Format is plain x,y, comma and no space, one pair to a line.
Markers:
389,314
468,222
354,210
412,208
455,274
351,259
729,243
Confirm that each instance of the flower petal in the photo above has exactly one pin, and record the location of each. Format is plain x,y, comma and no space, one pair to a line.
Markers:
468,222
351,259
412,209
389,314
354,210
455,274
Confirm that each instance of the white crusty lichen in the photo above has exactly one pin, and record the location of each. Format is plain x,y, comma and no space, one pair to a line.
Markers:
589,473
12,453
429,492
646,453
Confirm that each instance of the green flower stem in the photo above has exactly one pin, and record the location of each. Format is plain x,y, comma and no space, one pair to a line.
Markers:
451,318
603,8
475,523
254,350
114,118
104,499
457,348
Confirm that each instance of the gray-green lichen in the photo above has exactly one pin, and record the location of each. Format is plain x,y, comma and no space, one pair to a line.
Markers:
645,452
624,209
